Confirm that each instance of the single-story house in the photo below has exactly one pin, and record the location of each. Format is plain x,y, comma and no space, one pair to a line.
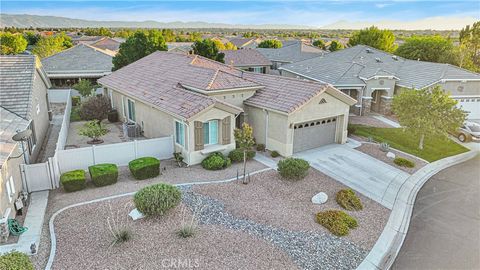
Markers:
78,39
23,105
373,77
82,61
179,47
111,45
247,59
292,51
199,102
244,43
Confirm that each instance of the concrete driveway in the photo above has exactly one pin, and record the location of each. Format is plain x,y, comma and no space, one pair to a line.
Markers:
363,173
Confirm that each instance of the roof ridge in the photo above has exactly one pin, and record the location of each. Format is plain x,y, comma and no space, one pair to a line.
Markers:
209,85
14,113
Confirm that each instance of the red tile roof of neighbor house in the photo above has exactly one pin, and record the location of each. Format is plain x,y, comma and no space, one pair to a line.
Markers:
245,58
163,79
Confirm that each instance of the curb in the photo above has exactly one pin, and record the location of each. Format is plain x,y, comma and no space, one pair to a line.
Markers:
388,245
51,227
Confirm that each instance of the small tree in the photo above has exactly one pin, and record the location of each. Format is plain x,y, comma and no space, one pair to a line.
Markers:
84,87
12,43
270,43
245,140
335,46
95,108
94,130
319,43
427,112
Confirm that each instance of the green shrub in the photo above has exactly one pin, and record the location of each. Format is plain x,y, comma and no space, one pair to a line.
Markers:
293,168
274,154
75,114
337,222
103,174
157,199
404,162
351,129
261,147
15,260
73,180
347,199
76,100
236,155
216,161
144,168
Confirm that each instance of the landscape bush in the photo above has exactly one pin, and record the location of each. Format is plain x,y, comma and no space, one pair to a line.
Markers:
236,155
337,222
216,161
103,174
156,200
73,180
95,108
144,167
76,100
274,154
293,168
404,162
351,129
261,147
347,199
15,260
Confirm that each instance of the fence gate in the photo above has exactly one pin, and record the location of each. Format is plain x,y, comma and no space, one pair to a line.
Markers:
37,177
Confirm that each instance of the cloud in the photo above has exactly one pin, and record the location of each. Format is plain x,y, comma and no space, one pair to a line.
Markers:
382,5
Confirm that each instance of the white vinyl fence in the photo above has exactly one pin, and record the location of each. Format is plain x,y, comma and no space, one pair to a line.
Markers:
62,136
59,95
118,153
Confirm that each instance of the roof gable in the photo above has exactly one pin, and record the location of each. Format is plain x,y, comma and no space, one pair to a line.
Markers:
245,58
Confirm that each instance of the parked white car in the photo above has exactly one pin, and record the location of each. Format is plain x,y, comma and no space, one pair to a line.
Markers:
469,130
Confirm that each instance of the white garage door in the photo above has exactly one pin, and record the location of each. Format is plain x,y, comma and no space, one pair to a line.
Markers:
471,105
314,134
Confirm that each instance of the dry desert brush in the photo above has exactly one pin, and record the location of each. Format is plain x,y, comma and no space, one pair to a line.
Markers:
347,199
337,222
117,225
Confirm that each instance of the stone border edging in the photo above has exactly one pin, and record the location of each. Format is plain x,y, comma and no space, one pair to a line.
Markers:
388,245
53,238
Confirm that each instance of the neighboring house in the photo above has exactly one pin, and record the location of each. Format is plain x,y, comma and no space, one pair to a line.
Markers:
248,59
373,77
82,61
292,51
110,45
199,102
76,39
244,43
23,105
179,47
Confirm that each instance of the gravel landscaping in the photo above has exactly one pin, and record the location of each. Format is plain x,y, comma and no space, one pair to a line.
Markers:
373,149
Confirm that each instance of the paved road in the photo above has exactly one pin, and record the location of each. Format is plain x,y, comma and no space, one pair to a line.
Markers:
445,227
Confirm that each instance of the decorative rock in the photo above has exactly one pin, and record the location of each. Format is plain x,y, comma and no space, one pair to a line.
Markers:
320,198
390,155
135,214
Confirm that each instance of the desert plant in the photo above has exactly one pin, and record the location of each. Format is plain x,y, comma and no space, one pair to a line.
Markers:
144,167
293,168
94,130
188,228
117,225
95,108
404,162
157,199
261,147
244,138
178,158
347,199
15,260
236,155
103,174
337,222
274,154
385,147
216,161
73,180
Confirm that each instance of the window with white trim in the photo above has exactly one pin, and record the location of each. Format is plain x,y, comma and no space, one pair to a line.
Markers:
131,110
180,133
210,132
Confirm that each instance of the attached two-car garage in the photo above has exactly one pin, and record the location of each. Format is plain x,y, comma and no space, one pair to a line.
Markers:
314,134
471,106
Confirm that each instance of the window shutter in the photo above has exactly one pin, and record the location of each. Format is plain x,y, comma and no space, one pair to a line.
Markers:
198,135
226,130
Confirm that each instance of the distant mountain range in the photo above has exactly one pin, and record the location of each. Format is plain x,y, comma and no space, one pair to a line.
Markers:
433,23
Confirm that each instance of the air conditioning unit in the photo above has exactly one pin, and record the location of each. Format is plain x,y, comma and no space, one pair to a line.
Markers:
132,130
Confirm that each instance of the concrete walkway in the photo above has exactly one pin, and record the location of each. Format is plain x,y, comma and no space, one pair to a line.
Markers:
266,161
365,174
34,223
445,226
48,148
387,121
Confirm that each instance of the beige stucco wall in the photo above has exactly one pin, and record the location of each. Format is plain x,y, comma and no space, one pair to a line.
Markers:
470,88
235,98
256,118
289,74
10,169
376,84
39,113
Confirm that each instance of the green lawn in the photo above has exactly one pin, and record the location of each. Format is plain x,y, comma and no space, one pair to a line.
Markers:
434,148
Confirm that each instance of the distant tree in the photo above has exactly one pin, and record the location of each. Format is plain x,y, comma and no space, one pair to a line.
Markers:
102,31
469,49
84,87
124,33
137,46
12,43
221,46
427,48
380,39
319,43
230,46
207,48
270,43
51,45
31,37
335,46
427,113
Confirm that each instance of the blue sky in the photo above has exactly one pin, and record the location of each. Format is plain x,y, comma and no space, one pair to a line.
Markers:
311,13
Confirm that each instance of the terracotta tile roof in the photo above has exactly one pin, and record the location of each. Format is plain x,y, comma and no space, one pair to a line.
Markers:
245,58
